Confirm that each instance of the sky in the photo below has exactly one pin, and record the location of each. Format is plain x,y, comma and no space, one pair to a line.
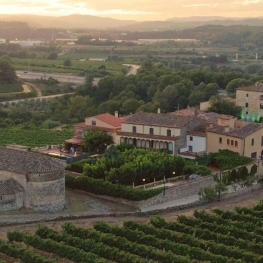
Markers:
136,9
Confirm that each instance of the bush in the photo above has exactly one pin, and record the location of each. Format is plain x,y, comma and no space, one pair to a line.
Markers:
101,187
78,166
196,169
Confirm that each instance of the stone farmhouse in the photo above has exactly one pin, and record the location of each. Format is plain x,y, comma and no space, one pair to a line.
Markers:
250,98
31,180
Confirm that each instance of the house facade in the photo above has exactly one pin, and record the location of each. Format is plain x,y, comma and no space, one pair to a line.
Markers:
250,98
31,180
103,122
245,138
157,131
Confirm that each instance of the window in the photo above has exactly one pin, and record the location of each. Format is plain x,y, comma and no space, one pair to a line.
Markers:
191,138
247,95
220,140
190,148
246,105
262,141
252,142
236,143
232,142
246,112
169,133
228,141
254,155
134,129
93,122
151,131
261,106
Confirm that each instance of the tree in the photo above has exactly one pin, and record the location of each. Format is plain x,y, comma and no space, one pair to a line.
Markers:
7,72
96,141
222,106
236,83
67,62
52,56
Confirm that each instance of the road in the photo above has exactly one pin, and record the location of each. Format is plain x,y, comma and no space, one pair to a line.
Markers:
27,75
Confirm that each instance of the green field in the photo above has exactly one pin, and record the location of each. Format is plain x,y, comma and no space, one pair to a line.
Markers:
46,65
9,88
220,237
33,138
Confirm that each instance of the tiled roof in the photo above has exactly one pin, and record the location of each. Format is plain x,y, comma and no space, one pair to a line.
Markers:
210,117
242,132
158,119
188,112
23,162
109,119
10,187
255,88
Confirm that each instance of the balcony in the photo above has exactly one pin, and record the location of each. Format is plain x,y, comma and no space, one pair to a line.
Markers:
148,136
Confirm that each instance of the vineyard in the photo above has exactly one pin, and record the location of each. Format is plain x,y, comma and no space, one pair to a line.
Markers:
220,237
33,138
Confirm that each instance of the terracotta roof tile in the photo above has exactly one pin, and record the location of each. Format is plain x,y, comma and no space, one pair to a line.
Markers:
255,88
109,119
158,119
242,132
23,162
10,187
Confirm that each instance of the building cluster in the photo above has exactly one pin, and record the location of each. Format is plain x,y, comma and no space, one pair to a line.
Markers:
188,132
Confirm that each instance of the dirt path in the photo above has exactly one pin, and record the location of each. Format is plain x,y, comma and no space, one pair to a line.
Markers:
247,200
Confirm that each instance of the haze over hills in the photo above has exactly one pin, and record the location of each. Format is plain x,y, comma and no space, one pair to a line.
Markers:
71,21
104,23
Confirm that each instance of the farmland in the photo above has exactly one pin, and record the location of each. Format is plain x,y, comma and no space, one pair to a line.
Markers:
33,137
221,236
46,65
7,88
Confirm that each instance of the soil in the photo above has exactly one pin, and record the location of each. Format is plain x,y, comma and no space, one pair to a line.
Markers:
247,200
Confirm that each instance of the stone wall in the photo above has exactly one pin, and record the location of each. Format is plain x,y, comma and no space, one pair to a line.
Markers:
40,195
176,192
242,191
12,202
172,193
46,196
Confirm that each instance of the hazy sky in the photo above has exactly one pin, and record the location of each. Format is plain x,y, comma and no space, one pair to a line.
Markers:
136,9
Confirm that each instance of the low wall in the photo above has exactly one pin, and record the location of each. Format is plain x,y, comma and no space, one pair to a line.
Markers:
242,191
176,192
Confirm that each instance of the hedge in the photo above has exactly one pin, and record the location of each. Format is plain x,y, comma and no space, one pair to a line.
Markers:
78,166
101,187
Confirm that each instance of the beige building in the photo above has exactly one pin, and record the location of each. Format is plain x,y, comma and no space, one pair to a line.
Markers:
157,131
245,138
250,98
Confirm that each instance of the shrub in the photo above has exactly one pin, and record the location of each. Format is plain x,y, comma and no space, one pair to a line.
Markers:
196,169
253,170
101,187
78,166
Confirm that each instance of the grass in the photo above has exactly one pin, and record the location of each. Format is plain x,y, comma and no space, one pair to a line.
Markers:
9,88
57,65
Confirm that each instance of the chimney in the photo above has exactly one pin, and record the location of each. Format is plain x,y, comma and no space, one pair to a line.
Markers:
116,114
159,110
226,128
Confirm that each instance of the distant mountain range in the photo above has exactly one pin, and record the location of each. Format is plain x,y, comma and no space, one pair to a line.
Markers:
102,23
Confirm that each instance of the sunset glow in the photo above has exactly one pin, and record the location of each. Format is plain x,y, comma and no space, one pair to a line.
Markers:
137,9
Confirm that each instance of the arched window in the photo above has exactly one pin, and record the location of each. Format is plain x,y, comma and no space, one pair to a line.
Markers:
232,142
252,141
228,141
236,143
220,139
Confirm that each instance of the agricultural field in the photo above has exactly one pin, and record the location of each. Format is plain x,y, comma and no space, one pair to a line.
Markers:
46,65
33,138
9,88
218,237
